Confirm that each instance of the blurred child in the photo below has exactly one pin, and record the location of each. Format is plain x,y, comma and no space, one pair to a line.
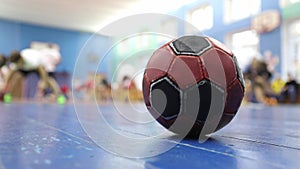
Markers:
104,89
290,90
260,76
33,60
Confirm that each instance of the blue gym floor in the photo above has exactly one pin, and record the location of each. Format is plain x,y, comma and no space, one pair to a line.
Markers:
44,136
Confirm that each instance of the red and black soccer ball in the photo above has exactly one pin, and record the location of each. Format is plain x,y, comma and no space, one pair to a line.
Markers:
193,85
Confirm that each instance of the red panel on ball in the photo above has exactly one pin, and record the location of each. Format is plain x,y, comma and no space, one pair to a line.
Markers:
159,64
185,71
235,95
214,68
219,67
229,66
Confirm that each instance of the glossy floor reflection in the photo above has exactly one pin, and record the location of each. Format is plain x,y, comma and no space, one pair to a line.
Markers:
35,135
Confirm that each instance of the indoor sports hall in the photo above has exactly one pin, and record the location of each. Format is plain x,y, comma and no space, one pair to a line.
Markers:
141,84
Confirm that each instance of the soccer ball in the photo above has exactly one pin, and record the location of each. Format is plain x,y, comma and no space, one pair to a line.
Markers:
193,85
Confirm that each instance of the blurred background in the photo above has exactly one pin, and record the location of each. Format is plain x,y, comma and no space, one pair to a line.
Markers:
264,36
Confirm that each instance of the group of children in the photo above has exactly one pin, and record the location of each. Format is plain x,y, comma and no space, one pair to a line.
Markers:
98,87
260,87
13,69
18,64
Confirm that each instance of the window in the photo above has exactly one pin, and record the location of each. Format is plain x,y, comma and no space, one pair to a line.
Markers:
294,1
201,18
291,54
288,2
237,9
245,46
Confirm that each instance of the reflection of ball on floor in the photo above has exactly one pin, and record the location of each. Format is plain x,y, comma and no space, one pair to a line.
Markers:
193,84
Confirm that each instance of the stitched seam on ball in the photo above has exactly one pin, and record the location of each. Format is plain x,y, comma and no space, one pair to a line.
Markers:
201,68
204,72
232,84
232,114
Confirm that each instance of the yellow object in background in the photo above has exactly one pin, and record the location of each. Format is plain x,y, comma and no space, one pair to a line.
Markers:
277,85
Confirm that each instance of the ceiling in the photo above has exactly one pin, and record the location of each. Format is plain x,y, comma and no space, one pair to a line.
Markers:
83,15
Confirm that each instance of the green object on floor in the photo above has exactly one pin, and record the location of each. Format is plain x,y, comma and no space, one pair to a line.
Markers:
61,99
7,98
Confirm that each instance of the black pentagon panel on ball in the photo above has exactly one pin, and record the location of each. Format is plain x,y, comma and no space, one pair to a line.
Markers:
165,98
190,45
202,99
239,71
